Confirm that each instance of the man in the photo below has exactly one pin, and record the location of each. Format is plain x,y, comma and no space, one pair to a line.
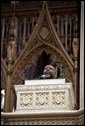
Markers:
48,73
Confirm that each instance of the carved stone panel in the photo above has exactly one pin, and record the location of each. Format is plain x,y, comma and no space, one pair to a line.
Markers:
42,98
58,98
26,99
43,95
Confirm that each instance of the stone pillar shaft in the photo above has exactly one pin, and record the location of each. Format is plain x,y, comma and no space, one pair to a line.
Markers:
7,106
82,56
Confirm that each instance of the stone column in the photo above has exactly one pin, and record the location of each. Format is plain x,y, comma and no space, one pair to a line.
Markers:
81,88
11,56
75,45
8,92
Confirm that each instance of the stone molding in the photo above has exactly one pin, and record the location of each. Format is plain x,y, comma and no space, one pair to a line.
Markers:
73,117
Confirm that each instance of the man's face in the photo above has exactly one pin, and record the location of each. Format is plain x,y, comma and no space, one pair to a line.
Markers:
49,70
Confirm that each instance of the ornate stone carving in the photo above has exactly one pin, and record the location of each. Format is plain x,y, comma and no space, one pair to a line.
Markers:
69,118
42,98
36,47
32,58
44,32
58,98
45,94
26,99
75,45
11,51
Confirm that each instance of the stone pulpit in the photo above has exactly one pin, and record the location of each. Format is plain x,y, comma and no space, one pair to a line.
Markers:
44,95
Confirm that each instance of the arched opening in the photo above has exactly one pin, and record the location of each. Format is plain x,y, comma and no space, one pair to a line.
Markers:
41,62
35,71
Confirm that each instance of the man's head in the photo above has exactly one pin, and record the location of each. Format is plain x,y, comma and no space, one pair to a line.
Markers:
49,70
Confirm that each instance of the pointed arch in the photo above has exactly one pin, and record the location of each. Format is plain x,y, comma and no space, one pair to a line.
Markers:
33,57
34,42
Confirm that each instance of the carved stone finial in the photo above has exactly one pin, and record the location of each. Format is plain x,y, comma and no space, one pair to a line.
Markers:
75,46
9,54
11,48
12,33
11,51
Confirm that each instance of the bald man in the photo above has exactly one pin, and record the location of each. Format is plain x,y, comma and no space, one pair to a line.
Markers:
49,72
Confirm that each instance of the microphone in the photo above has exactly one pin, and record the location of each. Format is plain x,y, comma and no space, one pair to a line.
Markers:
45,76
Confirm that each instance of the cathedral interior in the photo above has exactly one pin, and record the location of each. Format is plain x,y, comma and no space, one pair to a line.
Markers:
35,34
